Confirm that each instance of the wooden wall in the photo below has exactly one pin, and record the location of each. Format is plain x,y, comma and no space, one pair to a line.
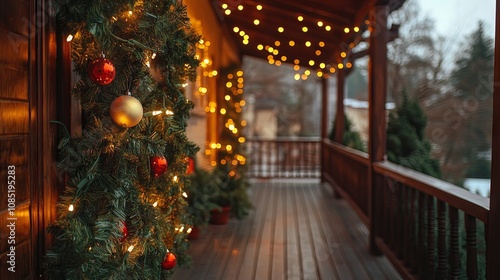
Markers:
27,139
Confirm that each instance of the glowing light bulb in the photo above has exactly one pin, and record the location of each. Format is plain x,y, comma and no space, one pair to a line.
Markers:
155,204
130,248
184,194
71,208
69,38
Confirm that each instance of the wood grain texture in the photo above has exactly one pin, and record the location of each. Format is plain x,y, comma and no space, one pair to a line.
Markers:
296,231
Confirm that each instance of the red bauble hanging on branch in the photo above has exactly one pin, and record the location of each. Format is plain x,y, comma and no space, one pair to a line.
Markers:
124,232
169,261
101,71
190,166
159,165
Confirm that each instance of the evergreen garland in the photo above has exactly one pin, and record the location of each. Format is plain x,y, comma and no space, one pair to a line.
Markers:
116,201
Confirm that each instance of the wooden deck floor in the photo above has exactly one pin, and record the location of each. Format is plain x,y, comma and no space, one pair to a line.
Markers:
296,231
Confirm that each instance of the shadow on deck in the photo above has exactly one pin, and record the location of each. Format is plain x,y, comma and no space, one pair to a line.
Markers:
297,230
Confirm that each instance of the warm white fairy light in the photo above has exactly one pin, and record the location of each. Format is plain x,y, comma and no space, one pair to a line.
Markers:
181,229
155,204
189,230
69,38
71,208
184,194
176,179
130,248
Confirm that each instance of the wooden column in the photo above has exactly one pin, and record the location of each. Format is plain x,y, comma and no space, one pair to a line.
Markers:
324,108
377,97
339,117
324,124
493,233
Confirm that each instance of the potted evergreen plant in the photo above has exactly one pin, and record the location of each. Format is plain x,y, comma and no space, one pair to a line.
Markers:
200,193
232,196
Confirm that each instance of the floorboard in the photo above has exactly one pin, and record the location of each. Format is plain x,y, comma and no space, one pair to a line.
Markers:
297,230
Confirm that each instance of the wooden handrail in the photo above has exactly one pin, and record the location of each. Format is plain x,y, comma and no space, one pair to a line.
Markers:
472,204
351,153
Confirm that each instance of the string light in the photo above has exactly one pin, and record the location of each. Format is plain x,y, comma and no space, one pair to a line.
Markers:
69,38
71,208
130,248
189,230
155,204
184,194
176,179
275,52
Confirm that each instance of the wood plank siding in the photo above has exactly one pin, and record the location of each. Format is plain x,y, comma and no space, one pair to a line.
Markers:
27,138
297,230
15,139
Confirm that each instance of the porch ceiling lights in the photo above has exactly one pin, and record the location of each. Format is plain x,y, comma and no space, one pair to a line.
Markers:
303,38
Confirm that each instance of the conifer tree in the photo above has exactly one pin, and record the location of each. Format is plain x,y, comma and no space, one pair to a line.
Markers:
123,212
406,141
231,164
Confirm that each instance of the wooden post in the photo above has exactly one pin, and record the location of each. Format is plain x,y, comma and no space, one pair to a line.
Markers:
377,97
493,233
324,108
324,124
339,117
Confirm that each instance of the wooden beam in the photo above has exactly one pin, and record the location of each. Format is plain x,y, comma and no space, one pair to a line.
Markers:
339,118
492,240
377,72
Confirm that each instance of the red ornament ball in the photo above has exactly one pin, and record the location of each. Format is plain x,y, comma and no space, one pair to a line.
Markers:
124,232
159,165
101,71
190,166
169,261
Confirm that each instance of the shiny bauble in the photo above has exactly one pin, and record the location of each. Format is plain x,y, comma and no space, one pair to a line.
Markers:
169,261
159,165
190,166
101,71
126,111
124,231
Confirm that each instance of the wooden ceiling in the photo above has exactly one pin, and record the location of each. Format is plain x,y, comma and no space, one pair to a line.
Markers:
331,28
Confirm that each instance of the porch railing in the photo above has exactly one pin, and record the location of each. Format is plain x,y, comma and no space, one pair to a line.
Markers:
284,158
430,229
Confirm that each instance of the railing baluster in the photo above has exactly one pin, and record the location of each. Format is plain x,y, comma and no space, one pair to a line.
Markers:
412,226
400,211
405,204
431,243
421,233
471,240
454,244
387,218
442,263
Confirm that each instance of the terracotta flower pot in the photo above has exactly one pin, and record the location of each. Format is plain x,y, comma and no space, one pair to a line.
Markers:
220,217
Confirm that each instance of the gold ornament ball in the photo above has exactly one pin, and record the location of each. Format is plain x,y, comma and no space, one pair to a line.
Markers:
126,111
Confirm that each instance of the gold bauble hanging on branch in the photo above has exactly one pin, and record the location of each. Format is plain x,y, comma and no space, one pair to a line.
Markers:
126,111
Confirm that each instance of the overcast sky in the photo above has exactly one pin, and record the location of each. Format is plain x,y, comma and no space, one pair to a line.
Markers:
460,17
